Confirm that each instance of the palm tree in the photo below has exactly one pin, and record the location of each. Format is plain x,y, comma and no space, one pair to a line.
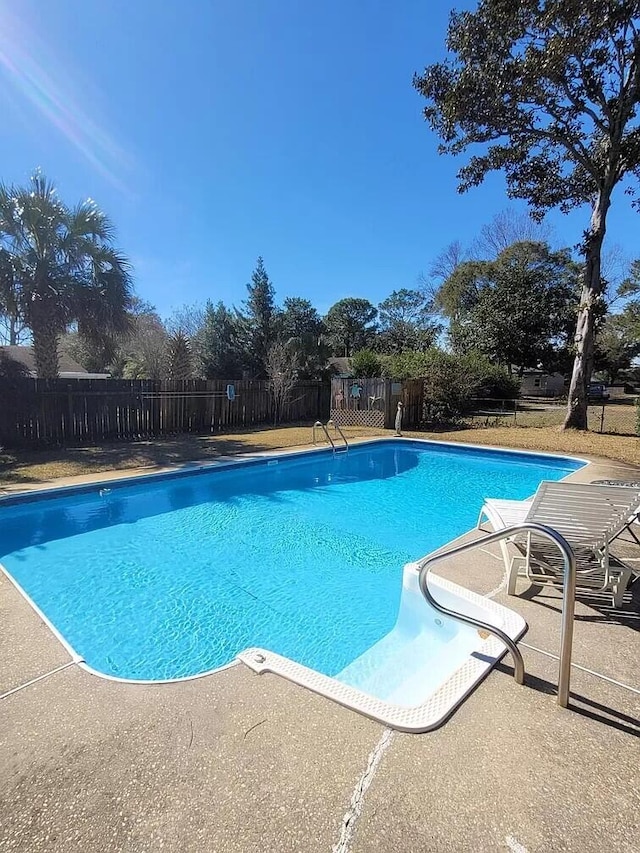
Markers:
64,269
179,357
12,328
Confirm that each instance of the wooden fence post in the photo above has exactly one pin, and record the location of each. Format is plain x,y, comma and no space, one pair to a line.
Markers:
69,429
388,405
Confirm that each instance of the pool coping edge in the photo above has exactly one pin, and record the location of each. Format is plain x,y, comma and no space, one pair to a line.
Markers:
200,468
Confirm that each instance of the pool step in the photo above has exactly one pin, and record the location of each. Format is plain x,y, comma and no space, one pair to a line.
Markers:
400,681
404,669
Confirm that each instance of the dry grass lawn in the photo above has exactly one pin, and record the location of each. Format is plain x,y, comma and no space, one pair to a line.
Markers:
621,448
25,468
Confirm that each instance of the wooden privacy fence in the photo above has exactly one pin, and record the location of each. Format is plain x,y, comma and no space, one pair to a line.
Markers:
66,411
374,401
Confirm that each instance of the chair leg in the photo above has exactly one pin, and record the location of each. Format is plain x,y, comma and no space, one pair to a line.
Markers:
505,555
619,587
512,568
618,595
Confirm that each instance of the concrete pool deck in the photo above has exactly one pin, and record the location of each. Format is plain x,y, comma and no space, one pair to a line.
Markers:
239,762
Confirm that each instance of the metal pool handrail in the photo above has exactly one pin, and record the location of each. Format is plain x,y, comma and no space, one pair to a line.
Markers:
568,599
326,432
339,431
325,429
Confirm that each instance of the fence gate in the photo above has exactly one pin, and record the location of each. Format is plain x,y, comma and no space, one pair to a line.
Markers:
359,402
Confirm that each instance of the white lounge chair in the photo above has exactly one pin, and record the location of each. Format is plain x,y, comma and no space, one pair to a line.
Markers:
501,514
589,517
634,529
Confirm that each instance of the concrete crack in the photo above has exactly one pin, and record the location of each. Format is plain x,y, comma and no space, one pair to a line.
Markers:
503,582
350,819
255,726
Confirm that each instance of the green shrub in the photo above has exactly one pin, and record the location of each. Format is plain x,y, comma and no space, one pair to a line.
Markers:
492,380
638,415
452,382
407,365
366,363
12,369
448,387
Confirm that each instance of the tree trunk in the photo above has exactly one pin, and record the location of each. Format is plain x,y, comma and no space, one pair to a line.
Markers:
585,327
45,349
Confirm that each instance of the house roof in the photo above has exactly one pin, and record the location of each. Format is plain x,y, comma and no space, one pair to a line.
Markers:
68,367
534,371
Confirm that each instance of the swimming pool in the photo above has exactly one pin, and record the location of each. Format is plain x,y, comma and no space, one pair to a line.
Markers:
173,575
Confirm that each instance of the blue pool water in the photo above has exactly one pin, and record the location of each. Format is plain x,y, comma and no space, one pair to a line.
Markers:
174,576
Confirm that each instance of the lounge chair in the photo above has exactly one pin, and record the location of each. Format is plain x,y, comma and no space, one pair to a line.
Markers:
500,514
632,484
589,517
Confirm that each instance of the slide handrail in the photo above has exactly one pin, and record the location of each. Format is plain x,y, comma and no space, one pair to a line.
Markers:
568,598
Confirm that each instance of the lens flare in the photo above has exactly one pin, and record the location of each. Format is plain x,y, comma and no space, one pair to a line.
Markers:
46,85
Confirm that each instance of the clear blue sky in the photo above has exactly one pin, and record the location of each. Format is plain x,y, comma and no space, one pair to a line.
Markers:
213,131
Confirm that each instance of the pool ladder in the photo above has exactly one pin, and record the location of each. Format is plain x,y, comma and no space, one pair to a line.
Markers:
568,598
324,428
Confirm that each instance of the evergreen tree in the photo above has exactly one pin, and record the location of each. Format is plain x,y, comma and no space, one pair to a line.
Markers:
350,324
218,344
406,322
298,317
301,328
259,320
